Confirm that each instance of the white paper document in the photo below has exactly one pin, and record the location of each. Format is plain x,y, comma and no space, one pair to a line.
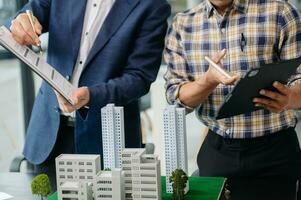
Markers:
37,64
4,196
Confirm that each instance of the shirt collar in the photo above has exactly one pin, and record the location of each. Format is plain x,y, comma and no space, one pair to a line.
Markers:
239,5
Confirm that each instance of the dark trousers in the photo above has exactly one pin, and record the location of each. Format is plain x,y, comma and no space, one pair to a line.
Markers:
64,144
299,189
260,168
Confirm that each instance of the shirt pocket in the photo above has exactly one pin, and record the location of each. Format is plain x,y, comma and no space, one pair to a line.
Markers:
260,49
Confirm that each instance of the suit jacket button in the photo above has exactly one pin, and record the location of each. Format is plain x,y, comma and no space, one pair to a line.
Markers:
68,77
56,109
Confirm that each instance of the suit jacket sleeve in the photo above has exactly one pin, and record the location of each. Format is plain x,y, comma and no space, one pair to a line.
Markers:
142,65
40,9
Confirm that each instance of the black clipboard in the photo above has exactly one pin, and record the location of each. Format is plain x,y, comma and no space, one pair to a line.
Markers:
240,99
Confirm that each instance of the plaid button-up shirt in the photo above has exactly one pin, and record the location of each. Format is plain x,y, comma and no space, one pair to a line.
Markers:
254,32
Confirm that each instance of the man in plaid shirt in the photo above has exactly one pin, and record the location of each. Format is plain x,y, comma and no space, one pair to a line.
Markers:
238,35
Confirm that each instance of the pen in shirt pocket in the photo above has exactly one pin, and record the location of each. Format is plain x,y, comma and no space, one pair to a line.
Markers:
243,42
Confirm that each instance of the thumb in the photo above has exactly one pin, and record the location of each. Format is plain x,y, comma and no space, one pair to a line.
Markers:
217,58
75,97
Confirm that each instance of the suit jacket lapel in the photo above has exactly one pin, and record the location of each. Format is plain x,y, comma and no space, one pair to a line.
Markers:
77,11
117,15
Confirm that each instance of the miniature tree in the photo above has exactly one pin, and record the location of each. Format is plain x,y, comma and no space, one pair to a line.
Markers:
179,180
40,185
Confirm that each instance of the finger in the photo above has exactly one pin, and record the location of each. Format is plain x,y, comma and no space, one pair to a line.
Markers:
62,107
69,108
78,97
67,105
20,35
264,101
273,95
62,102
25,23
270,108
219,56
271,104
75,99
29,30
229,81
281,88
38,27
61,99
236,76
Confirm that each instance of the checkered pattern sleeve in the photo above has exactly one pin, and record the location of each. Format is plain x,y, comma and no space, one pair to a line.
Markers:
290,37
174,56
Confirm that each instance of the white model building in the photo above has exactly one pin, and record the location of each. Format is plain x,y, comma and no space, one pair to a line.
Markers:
175,142
75,174
142,175
79,178
109,185
76,191
112,135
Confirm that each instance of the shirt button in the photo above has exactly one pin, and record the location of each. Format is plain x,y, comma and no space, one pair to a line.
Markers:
95,5
87,33
80,62
223,30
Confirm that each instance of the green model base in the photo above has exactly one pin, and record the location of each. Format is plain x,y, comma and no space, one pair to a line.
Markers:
199,188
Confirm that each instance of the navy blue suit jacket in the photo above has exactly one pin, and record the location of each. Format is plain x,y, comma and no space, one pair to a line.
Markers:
120,68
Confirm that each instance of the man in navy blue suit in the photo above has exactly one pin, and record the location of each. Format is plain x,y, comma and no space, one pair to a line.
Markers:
110,49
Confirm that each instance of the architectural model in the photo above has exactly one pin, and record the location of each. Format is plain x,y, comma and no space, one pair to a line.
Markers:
112,135
142,175
79,178
75,175
175,142
109,185
129,174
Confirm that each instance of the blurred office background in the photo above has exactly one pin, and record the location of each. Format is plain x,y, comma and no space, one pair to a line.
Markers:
18,88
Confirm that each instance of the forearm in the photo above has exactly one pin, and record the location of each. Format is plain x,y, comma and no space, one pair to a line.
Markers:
295,102
195,93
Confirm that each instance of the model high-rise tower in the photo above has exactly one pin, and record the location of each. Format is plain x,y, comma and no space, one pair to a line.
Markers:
175,142
112,135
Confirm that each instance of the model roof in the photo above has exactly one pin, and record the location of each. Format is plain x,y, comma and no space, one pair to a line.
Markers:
78,156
